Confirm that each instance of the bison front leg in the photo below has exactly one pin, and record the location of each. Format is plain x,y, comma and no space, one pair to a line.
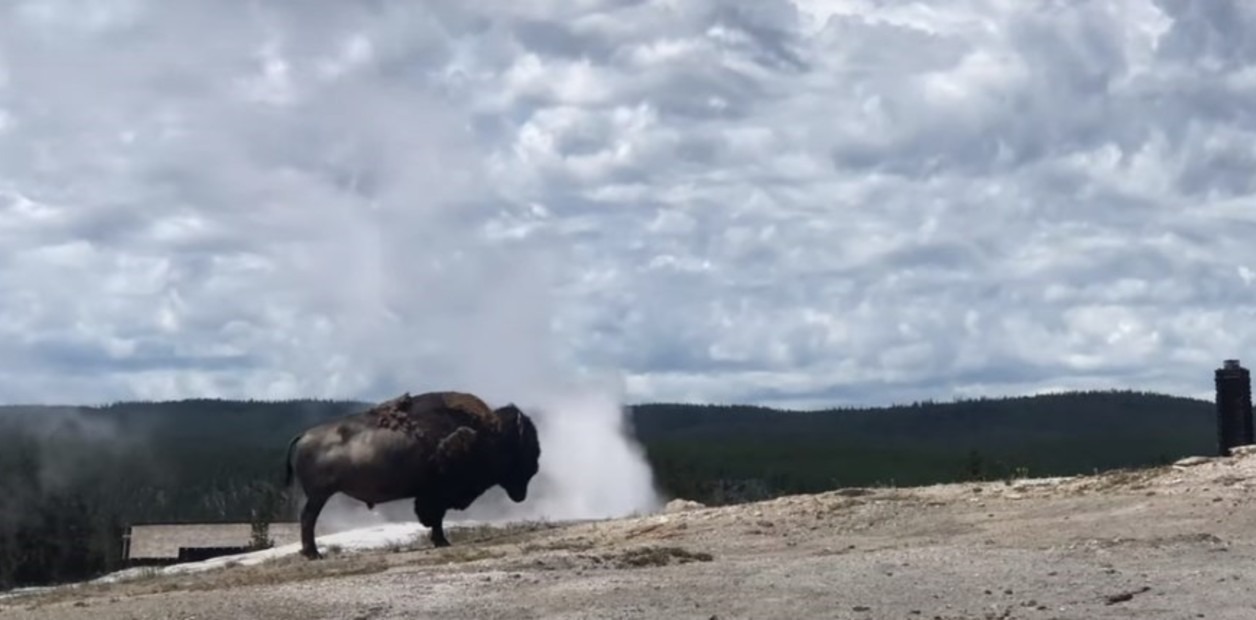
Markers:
309,517
433,519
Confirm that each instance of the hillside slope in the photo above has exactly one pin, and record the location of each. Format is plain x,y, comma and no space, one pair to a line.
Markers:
1172,542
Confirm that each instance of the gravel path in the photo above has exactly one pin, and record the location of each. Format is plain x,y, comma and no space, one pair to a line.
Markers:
1178,542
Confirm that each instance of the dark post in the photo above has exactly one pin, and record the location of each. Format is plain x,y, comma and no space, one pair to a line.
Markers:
126,544
1234,407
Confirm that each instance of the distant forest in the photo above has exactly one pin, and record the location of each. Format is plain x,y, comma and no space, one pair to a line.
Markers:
74,476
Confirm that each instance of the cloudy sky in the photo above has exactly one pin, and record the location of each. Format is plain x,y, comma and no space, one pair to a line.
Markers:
803,203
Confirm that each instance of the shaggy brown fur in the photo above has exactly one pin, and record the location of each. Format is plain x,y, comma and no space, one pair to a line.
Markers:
401,413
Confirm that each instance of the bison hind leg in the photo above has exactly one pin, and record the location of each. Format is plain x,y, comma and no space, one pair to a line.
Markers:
309,517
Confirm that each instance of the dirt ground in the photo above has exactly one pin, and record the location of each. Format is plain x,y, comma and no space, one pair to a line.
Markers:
1175,542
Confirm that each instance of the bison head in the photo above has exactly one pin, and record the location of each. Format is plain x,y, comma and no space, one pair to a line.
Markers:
523,452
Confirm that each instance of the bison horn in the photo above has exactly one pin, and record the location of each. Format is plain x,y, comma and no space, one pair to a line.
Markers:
518,418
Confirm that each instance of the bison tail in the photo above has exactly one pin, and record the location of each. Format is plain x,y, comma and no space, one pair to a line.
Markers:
287,478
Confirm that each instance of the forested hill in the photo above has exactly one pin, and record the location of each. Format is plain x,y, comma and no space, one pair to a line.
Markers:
729,452
1064,413
72,476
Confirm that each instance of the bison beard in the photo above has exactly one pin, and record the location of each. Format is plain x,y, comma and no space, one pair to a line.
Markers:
444,449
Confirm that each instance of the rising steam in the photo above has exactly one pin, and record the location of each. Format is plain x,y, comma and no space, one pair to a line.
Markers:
502,349
292,201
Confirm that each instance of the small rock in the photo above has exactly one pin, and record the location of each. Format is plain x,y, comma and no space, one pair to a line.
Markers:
682,505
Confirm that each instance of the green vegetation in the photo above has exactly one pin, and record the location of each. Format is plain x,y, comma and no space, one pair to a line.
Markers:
73,476
719,454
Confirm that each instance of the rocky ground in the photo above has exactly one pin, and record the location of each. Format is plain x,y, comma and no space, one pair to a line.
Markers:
1175,542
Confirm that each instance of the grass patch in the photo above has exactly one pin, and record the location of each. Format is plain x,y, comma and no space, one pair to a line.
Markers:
1121,479
567,544
642,557
497,534
456,555
853,492
285,572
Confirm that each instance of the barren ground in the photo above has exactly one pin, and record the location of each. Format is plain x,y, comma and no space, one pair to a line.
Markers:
1175,542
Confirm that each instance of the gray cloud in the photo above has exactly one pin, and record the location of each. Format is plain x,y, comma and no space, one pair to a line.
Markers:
804,202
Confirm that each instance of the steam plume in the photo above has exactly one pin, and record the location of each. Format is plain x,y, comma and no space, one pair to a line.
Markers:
302,200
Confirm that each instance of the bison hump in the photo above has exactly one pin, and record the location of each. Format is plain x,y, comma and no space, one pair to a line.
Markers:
472,409
414,415
460,408
394,419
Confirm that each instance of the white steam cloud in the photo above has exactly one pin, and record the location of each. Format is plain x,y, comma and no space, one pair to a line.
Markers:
55,450
291,190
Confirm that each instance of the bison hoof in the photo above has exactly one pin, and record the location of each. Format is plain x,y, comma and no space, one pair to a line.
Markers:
311,554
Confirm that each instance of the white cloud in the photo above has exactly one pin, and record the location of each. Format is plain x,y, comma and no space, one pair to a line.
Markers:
803,203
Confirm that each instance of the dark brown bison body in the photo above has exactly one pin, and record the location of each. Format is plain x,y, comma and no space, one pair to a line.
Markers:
443,449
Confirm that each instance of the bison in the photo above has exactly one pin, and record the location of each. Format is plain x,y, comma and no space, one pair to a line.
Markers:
443,449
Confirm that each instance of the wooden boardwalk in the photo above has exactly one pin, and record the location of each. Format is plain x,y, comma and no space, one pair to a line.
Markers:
162,541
